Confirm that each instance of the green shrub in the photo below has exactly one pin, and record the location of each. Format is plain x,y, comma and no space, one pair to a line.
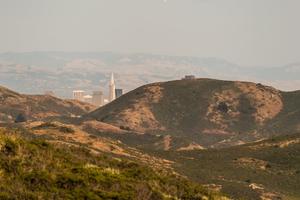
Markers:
10,147
38,179
20,118
65,129
70,181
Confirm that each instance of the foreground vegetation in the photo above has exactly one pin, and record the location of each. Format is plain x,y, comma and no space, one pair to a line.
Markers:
35,169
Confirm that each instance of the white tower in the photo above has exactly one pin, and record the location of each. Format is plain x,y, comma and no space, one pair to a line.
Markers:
112,88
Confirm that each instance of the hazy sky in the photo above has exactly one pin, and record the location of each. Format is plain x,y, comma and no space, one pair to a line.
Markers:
248,32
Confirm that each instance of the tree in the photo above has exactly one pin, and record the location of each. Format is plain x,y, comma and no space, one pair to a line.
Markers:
223,107
20,118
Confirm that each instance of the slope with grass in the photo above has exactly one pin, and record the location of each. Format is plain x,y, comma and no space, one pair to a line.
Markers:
268,169
204,112
36,169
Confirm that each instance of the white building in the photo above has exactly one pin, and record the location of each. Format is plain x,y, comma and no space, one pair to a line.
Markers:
78,95
112,88
88,99
98,98
106,101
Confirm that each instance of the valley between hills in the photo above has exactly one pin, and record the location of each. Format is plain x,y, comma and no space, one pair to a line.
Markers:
185,139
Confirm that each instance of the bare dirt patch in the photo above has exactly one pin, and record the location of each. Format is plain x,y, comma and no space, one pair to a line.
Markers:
266,100
167,142
190,147
216,112
139,115
225,106
216,132
281,144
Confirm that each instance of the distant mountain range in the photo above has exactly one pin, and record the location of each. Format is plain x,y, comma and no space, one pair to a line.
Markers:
62,72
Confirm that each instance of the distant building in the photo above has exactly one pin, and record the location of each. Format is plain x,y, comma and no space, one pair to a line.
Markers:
189,77
98,98
78,95
49,93
87,98
119,92
106,101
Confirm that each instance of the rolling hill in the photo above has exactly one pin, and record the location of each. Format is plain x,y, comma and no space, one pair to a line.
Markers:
205,113
267,169
239,137
38,106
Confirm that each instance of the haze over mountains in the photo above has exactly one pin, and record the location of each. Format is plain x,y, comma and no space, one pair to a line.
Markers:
35,72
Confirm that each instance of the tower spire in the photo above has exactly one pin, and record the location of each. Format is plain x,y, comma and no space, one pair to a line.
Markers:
112,80
112,88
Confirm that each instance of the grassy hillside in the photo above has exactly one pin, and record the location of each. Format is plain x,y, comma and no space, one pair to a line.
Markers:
288,120
268,169
37,106
210,113
36,169
207,130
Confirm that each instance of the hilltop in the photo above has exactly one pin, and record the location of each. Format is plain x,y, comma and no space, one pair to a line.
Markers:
204,113
38,106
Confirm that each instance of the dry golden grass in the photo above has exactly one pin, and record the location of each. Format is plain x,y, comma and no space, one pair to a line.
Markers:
139,116
190,147
77,137
266,100
102,127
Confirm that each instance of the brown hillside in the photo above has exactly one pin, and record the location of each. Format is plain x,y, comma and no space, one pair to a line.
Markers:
212,113
37,106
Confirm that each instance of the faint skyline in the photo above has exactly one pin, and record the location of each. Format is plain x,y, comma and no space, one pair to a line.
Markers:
247,32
